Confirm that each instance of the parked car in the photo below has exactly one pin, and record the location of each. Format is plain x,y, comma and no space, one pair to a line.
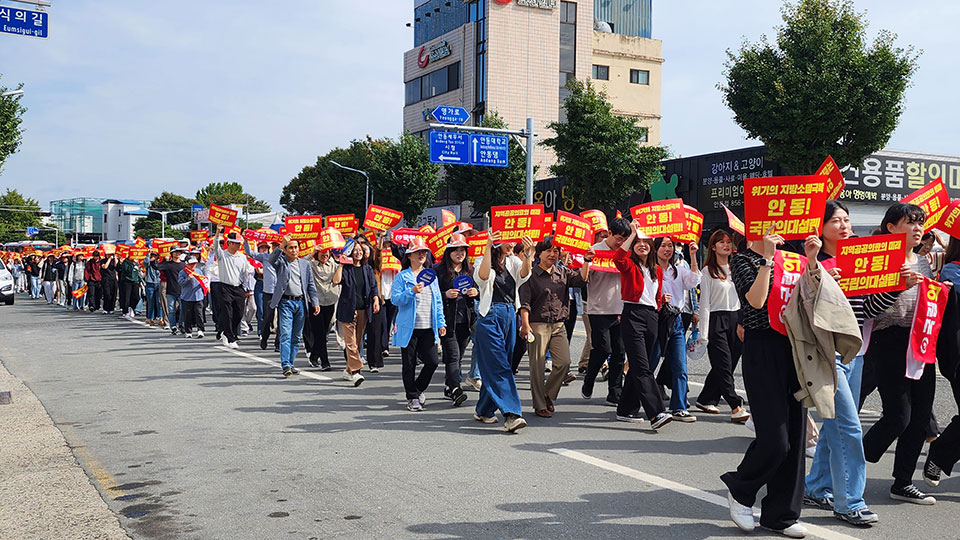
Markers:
6,286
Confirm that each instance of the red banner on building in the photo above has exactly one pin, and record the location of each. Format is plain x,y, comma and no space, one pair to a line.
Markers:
835,183
304,227
927,319
597,219
222,216
933,198
477,246
871,264
692,226
347,224
331,238
516,221
660,218
787,268
574,233
793,205
603,261
381,218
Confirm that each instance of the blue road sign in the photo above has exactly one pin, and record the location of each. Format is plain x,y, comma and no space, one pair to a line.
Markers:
449,148
196,208
451,115
489,150
23,22
32,231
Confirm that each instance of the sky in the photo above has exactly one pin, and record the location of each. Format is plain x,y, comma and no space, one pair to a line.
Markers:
130,98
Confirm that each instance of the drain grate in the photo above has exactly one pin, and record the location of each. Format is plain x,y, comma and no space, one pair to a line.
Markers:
5,398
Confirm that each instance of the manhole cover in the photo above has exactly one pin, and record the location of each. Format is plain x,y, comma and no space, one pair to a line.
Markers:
5,398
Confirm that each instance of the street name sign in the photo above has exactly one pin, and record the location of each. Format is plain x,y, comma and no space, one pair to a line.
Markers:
23,22
451,115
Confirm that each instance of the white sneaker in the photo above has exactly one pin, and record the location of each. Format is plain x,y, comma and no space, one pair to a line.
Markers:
739,415
224,341
357,379
233,345
347,376
709,409
199,334
741,515
794,531
194,335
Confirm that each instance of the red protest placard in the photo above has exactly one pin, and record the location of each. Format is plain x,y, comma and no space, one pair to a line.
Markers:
927,318
331,238
198,236
574,233
427,229
139,242
950,220
692,226
933,198
548,225
306,247
222,216
603,261
438,240
381,218
345,223
447,217
163,248
477,246
735,224
871,264
793,205
597,219
262,235
660,218
388,261
304,227
123,251
835,182
516,221
402,237
139,253
787,268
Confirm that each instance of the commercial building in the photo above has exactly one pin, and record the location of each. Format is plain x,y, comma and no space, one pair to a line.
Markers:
514,57
88,219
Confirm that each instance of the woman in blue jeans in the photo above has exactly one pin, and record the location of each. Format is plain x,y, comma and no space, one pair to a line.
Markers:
151,284
677,280
498,276
838,473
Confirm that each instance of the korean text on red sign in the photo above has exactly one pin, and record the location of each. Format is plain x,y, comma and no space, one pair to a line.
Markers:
660,218
793,205
871,264
516,221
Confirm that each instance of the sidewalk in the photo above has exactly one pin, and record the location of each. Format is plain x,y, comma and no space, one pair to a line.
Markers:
44,493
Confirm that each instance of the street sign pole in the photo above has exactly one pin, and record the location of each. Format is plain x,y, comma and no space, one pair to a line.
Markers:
527,133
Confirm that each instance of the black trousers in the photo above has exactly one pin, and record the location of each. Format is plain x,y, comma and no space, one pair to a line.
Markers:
192,315
268,315
390,317
129,295
319,326
606,342
945,451
375,338
775,457
109,295
519,349
723,349
454,344
215,303
906,403
230,309
571,321
639,330
94,293
422,346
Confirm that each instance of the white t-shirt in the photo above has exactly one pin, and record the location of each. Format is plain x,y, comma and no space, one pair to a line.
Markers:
716,295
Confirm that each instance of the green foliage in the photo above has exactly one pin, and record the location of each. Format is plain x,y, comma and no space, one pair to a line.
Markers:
821,89
13,223
324,188
491,186
402,177
600,154
153,228
224,193
11,114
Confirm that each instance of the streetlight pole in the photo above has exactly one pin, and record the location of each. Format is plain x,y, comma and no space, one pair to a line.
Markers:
12,93
367,196
163,218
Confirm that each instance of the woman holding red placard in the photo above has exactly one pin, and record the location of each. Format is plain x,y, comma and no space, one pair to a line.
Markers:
907,403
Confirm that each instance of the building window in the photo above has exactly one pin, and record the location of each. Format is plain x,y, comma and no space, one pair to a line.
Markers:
568,51
645,135
601,73
432,84
478,15
639,76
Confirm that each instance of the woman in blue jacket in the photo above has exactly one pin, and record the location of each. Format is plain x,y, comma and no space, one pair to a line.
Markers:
420,322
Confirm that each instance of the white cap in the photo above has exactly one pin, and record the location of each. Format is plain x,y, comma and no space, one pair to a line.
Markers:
192,260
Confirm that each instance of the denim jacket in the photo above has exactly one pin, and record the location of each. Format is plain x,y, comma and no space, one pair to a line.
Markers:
406,300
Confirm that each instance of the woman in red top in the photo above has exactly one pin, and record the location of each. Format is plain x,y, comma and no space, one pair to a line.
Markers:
641,287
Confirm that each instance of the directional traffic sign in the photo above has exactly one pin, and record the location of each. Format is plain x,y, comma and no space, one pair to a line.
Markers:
32,231
489,150
449,147
451,115
23,22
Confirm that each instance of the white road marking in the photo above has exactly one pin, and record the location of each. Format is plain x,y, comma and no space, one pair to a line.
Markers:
682,489
307,374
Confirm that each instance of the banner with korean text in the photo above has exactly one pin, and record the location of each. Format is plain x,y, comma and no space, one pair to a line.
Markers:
347,224
950,220
402,237
787,268
477,246
871,264
933,198
574,234
331,238
198,236
381,218
927,319
437,242
692,226
660,218
603,261
835,182
597,219
793,205
304,227
516,221
222,216
262,235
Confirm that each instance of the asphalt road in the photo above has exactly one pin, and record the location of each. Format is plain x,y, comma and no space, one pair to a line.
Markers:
187,440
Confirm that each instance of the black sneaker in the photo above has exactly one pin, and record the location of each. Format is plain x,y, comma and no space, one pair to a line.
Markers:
173,331
823,503
661,420
458,396
582,370
325,368
931,473
861,518
314,363
287,373
294,370
911,494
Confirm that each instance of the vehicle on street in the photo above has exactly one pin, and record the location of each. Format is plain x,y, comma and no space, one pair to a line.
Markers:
6,287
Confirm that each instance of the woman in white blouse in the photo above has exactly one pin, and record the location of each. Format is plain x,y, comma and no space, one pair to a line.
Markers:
719,306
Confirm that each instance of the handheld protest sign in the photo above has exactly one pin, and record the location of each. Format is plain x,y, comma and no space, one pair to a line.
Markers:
304,227
597,219
198,236
660,218
222,216
463,284
574,233
834,180
516,221
793,205
692,226
427,276
381,218
330,238
345,223
934,200
950,220
447,217
735,224
871,264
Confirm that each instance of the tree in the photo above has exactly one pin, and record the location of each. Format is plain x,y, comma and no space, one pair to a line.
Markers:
402,177
821,90
324,188
153,228
151,225
16,214
600,154
10,117
491,186
224,193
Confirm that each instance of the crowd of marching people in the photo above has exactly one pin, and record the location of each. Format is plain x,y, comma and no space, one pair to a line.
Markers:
829,351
